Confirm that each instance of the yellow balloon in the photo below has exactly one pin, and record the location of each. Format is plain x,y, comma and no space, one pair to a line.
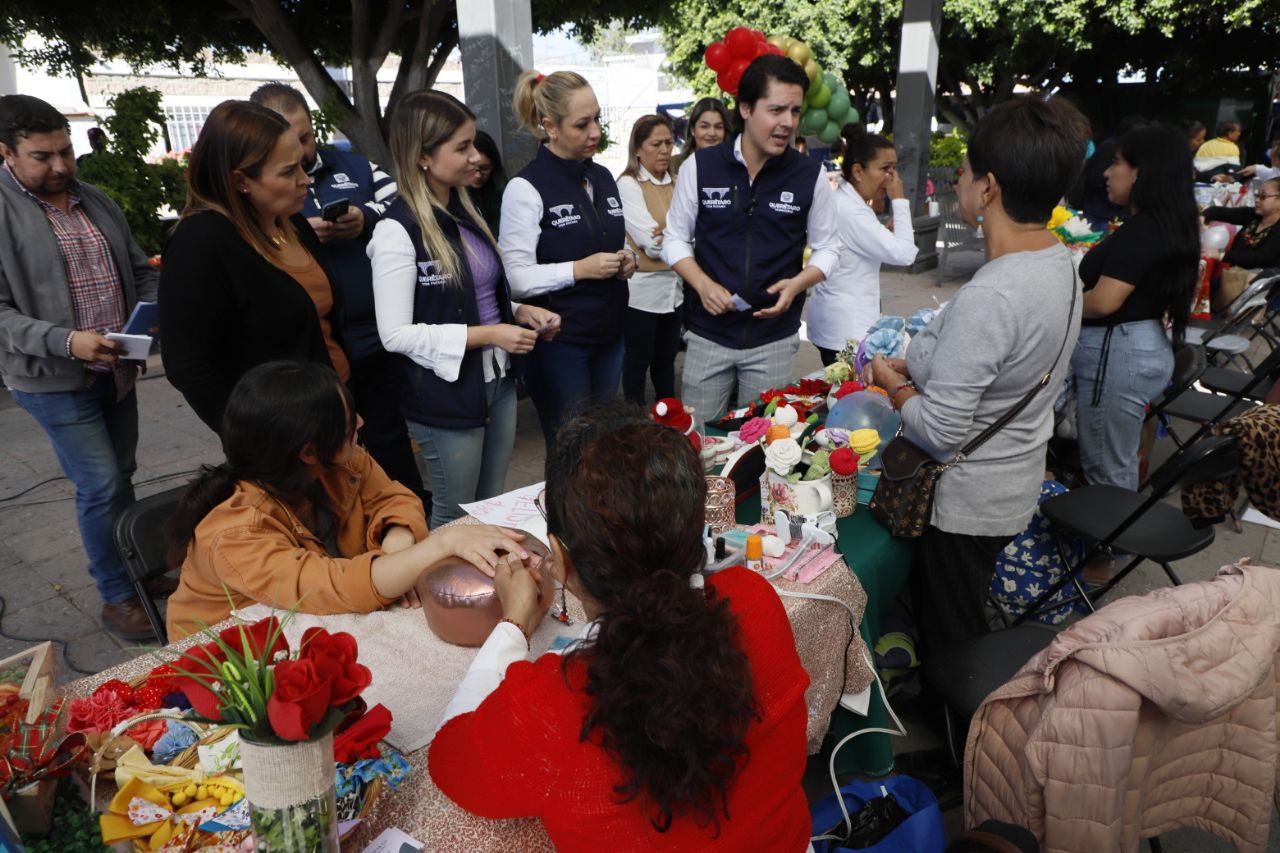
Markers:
799,51
812,70
781,42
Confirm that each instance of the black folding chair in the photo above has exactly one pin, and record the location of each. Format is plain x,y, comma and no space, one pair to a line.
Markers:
140,541
1182,401
1148,528
1244,385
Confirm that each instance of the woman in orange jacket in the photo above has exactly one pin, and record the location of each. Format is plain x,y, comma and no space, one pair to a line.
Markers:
299,515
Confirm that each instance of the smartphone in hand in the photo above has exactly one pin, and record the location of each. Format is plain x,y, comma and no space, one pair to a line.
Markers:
334,210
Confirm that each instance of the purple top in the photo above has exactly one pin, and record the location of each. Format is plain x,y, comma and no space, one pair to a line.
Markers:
485,269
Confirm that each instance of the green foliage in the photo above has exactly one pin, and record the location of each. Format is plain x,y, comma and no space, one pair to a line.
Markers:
947,150
75,826
122,171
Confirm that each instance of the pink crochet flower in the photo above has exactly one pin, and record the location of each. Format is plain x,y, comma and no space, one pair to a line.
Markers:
754,430
99,712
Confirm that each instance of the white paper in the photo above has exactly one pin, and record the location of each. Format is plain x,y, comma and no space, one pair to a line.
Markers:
136,347
1255,517
512,509
393,840
740,304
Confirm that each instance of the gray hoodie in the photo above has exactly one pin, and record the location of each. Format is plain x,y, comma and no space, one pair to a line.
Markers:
35,298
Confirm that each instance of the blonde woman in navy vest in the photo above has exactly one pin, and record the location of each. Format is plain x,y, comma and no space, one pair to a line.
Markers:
563,243
443,302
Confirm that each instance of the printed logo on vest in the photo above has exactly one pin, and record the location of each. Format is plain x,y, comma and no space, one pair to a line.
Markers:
342,182
784,203
564,215
431,274
615,208
716,197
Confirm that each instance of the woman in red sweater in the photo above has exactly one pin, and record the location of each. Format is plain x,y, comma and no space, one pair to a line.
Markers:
678,721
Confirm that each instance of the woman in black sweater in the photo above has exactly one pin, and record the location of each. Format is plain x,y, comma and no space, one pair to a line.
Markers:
240,282
1257,245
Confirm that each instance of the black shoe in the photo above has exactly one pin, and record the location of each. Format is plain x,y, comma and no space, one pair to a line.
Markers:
127,620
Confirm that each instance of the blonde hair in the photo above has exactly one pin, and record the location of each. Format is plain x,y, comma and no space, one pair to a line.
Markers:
423,122
540,97
238,136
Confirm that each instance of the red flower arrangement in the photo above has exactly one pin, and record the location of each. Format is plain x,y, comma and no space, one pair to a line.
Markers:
249,678
113,703
843,462
850,387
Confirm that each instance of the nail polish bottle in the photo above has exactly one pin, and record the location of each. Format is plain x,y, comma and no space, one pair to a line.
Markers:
755,553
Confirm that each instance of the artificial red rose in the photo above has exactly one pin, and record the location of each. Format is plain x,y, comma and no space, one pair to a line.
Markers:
302,696
361,738
341,650
196,662
258,633
843,462
851,387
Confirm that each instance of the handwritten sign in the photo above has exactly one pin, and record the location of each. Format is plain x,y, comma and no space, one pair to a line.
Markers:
512,509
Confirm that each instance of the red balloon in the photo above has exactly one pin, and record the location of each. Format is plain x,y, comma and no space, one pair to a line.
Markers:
717,56
723,81
774,49
741,43
759,35
762,48
734,75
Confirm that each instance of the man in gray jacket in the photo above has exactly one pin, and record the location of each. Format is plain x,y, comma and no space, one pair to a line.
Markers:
69,274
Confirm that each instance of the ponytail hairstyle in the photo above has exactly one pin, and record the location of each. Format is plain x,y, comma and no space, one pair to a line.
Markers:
640,132
541,97
1163,192
860,147
274,412
424,121
669,686
238,136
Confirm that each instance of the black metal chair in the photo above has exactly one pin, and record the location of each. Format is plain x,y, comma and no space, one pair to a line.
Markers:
140,541
1244,385
1143,526
1181,401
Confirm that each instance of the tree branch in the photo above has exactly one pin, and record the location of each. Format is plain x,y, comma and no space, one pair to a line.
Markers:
418,68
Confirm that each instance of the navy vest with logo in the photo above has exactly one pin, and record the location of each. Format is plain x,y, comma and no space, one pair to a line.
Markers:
437,299
574,226
749,235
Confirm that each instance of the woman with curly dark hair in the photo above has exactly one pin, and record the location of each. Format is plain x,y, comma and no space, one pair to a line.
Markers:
678,720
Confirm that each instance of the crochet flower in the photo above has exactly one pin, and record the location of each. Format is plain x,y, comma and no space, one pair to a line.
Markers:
837,371
786,415
177,738
844,462
782,455
754,430
850,387
819,465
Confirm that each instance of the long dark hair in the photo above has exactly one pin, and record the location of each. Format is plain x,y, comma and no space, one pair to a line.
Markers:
707,105
1163,192
860,147
640,133
669,685
275,410
489,197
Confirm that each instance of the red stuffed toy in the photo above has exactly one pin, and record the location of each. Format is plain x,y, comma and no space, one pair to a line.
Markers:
671,412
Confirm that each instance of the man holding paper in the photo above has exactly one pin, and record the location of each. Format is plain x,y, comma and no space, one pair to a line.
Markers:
70,273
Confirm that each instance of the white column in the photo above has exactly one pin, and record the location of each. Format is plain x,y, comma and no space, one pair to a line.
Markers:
496,37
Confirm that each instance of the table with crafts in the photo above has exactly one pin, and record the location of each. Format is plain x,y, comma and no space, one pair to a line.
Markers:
415,674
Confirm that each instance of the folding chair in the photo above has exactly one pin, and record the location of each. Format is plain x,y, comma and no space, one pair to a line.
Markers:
1180,400
1254,385
139,536
1149,529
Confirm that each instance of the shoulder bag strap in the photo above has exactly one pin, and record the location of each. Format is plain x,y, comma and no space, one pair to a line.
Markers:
990,431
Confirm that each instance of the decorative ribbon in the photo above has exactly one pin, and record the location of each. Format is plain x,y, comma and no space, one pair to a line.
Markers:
142,810
36,754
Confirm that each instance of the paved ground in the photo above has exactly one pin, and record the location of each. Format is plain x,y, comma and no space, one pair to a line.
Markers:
47,593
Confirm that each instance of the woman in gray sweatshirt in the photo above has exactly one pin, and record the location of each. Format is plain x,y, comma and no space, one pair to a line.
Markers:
995,339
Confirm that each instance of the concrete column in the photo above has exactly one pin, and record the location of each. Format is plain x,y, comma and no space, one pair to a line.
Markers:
496,37
8,73
913,116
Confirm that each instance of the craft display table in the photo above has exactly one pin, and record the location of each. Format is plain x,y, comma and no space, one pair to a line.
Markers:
414,675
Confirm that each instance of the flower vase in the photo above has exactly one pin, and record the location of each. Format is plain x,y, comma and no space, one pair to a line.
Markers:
844,493
291,795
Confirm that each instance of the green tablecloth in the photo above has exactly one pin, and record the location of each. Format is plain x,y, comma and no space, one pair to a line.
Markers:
881,564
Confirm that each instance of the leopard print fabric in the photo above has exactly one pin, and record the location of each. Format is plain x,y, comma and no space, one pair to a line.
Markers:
1258,431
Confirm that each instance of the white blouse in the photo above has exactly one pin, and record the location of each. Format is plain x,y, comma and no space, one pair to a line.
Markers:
655,291
847,302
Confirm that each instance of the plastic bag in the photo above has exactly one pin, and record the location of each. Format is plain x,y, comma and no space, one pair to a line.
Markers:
920,832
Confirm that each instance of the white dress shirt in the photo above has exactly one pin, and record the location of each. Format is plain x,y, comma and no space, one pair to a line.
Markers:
655,291
848,301
439,347
519,230
677,241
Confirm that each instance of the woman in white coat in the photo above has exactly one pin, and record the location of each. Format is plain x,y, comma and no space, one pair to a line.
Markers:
848,301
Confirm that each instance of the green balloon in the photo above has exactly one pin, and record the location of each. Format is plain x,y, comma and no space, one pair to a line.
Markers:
830,133
831,81
820,98
813,121
838,105
815,84
852,115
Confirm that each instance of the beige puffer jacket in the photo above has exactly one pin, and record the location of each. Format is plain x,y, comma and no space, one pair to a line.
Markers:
1158,711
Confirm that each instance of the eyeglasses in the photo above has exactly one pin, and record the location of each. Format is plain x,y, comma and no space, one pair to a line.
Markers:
540,503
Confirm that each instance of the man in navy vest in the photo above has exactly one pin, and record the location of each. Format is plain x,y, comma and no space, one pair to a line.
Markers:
376,377
736,232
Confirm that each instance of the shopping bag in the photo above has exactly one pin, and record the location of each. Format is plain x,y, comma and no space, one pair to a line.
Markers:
920,832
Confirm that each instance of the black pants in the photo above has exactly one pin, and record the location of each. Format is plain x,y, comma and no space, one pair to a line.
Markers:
377,383
652,341
950,578
828,356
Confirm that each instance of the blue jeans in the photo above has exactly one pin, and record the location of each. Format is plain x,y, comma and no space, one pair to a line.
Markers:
96,439
563,379
466,465
1137,365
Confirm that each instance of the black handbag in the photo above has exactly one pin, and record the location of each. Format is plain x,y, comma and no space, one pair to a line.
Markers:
909,474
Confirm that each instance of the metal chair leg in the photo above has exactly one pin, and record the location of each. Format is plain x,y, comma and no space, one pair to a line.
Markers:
153,614
1154,843
1168,570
